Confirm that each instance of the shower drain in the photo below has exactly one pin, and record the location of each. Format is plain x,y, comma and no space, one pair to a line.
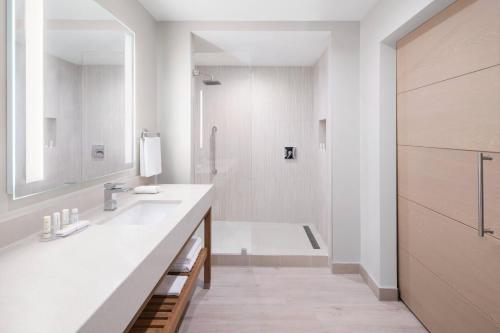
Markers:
312,239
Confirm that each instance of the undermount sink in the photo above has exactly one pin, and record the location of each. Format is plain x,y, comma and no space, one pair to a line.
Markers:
145,213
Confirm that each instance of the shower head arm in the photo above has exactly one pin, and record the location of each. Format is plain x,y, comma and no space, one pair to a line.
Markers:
196,73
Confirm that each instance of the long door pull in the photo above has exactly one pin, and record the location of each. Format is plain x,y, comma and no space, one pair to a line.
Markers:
481,157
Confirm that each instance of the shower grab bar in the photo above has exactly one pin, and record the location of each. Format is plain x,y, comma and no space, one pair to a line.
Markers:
480,198
213,146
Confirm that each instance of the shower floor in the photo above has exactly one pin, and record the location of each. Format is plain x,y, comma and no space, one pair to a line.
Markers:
264,239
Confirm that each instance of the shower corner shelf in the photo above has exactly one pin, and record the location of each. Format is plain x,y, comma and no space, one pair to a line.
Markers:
322,134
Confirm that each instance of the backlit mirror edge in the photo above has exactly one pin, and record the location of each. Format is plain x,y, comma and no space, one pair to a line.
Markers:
11,128
11,119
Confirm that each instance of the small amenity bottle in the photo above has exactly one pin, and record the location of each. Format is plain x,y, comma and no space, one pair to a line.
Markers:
56,222
47,227
65,217
74,216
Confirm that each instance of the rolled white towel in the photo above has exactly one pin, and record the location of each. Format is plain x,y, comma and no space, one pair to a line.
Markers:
147,189
185,266
171,285
190,251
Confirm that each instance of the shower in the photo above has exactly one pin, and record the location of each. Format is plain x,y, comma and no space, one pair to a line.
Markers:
208,82
265,207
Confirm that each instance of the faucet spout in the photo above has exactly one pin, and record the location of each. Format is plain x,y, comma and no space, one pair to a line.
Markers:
110,190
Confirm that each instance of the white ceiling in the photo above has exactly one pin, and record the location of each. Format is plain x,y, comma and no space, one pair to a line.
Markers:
76,10
81,10
259,48
258,10
87,47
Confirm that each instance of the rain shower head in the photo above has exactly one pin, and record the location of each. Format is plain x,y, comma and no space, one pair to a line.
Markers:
212,82
209,82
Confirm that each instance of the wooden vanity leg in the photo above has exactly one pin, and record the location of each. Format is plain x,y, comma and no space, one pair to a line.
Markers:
208,245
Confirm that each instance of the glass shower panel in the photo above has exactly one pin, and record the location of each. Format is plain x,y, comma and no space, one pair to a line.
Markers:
228,108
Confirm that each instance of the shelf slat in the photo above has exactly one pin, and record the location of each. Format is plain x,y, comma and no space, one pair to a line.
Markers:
146,330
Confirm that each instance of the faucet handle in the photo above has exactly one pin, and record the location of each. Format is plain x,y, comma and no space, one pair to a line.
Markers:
114,186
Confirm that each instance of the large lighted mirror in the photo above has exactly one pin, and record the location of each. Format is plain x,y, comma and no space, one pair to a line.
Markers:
71,94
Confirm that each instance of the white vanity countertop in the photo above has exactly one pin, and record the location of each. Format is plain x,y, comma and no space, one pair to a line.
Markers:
95,280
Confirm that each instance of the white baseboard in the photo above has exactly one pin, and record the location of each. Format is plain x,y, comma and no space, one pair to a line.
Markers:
383,294
345,268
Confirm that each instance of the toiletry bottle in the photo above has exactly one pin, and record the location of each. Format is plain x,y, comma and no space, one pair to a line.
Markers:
65,217
56,222
47,227
74,216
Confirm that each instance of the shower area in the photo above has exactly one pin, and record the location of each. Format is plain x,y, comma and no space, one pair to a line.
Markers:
260,135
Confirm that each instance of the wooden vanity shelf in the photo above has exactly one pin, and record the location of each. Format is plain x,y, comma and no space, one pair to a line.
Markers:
163,314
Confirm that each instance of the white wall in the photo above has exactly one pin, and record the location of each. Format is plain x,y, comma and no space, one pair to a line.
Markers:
388,21
131,13
345,144
174,101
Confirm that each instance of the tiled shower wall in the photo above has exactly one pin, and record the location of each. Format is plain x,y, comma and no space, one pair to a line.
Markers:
62,109
258,111
103,120
84,106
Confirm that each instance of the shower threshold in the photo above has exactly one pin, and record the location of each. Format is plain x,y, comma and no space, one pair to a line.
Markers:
267,244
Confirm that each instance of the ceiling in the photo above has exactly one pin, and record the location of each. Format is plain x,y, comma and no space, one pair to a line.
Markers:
258,10
87,47
259,48
75,10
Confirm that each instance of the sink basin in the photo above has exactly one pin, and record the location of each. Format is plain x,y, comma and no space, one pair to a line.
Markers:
145,213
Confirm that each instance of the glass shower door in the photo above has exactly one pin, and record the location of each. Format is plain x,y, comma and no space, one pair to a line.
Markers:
223,141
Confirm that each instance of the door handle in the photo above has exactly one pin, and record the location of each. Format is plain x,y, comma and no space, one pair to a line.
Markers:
481,157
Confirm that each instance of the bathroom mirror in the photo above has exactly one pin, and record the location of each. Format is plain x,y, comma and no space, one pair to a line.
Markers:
71,94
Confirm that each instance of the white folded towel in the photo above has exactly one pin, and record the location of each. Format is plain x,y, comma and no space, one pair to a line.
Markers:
171,285
150,156
186,259
147,189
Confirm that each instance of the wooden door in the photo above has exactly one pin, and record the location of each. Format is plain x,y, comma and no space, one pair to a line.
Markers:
448,96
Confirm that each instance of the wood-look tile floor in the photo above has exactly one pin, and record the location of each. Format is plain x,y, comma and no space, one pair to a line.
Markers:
292,300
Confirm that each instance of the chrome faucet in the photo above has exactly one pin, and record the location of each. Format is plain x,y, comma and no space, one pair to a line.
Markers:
110,190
